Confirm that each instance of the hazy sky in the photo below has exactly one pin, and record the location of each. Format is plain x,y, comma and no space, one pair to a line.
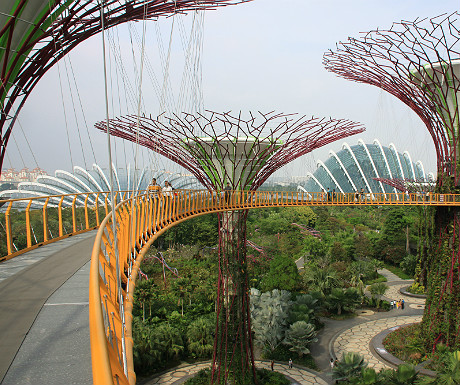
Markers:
261,56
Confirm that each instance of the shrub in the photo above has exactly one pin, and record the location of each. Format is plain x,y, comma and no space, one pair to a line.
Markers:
408,264
349,367
299,336
416,288
405,342
264,377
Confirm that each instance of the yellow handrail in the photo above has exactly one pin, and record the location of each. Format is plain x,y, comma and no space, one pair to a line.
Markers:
141,222
39,207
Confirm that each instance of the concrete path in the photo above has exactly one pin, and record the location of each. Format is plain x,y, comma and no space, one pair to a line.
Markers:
44,332
301,376
357,339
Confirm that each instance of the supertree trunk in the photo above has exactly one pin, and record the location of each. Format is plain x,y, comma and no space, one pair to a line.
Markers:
233,358
441,320
425,236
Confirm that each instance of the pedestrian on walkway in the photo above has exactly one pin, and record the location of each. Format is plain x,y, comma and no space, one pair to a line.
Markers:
392,304
331,363
290,363
402,304
272,364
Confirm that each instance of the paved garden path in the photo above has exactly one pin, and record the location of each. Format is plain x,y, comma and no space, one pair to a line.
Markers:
298,375
358,338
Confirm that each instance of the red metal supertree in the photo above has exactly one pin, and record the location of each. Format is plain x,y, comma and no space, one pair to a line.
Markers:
419,63
35,35
225,151
420,187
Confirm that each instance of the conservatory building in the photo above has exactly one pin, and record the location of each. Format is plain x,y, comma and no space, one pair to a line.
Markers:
362,166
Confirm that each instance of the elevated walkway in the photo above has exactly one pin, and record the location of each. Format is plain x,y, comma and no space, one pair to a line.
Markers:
44,329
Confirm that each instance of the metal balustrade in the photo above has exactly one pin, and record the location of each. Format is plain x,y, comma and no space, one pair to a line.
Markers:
55,216
116,260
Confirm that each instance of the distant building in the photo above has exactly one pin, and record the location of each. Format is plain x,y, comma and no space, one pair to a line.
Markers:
97,179
11,175
354,168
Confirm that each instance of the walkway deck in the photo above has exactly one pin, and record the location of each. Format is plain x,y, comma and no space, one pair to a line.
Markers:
44,329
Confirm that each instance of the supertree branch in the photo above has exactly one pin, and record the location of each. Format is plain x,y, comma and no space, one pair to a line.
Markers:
265,142
418,62
28,49
411,186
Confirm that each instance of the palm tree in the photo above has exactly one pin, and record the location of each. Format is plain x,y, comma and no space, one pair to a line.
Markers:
343,299
377,291
322,280
200,337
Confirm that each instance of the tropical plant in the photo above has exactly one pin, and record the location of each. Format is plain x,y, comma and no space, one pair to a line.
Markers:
304,308
269,315
349,367
299,336
168,340
343,299
409,264
404,375
200,337
448,375
377,291
283,274
323,280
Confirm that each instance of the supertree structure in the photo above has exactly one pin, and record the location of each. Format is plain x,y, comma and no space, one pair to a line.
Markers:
35,35
419,63
420,187
227,153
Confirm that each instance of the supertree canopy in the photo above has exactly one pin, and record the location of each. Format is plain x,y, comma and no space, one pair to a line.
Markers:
223,150
419,63
35,34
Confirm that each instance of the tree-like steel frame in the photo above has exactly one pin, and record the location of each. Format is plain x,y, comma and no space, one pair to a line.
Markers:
226,152
419,63
290,136
57,28
391,59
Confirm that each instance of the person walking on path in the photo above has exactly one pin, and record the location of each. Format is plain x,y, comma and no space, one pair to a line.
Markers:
272,364
331,364
154,189
290,363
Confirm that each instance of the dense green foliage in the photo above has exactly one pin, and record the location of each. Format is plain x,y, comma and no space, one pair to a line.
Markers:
337,267
352,369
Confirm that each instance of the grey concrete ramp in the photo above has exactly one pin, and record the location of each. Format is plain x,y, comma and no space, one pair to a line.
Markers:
44,337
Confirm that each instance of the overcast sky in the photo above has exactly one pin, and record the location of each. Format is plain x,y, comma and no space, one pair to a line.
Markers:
261,56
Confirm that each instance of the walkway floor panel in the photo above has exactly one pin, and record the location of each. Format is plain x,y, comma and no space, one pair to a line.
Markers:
24,294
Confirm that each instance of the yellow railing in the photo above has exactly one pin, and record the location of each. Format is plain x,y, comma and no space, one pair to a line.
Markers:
55,217
116,260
